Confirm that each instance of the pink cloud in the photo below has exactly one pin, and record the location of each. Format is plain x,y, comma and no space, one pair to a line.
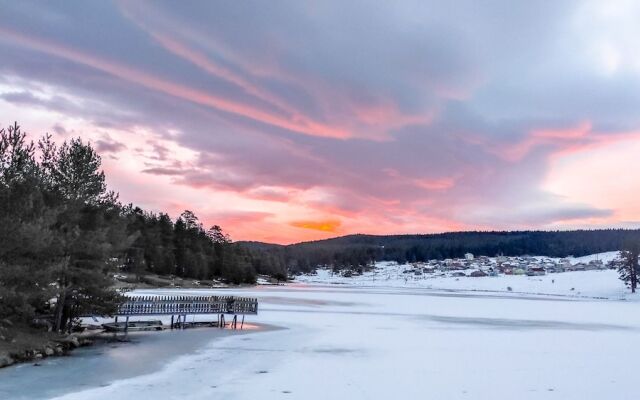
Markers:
558,138
174,89
294,135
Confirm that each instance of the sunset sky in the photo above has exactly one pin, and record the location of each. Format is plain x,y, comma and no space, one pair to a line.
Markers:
286,121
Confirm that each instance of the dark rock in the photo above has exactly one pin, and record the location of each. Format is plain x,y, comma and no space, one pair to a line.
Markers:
71,341
5,360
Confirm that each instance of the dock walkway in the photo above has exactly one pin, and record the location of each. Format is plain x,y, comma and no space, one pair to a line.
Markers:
178,307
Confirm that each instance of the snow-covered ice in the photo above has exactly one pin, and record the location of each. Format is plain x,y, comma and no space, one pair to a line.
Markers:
357,342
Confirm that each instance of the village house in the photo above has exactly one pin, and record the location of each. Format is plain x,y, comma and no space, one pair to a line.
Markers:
536,271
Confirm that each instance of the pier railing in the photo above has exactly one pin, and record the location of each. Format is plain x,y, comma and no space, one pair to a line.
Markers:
176,305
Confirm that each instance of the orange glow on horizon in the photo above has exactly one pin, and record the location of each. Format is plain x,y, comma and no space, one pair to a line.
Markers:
324,226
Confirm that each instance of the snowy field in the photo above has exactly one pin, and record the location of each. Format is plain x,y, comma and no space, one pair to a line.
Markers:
579,284
353,342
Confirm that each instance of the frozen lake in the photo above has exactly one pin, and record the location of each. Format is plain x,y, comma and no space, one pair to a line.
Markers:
370,343
99,365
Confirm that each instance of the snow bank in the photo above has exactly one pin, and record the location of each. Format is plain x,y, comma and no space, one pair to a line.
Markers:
604,257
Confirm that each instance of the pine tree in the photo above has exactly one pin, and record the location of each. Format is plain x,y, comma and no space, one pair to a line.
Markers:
628,267
166,263
89,230
216,235
25,238
190,220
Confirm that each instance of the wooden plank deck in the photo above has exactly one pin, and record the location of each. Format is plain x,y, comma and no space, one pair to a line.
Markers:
181,305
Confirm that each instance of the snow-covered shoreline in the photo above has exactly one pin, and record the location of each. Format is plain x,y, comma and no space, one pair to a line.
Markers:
370,343
597,284
360,341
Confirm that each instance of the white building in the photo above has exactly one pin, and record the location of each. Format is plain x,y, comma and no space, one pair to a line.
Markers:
468,256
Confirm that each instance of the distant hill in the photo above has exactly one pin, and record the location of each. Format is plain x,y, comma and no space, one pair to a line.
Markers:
253,245
353,251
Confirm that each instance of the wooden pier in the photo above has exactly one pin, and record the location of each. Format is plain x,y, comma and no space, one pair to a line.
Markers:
178,307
